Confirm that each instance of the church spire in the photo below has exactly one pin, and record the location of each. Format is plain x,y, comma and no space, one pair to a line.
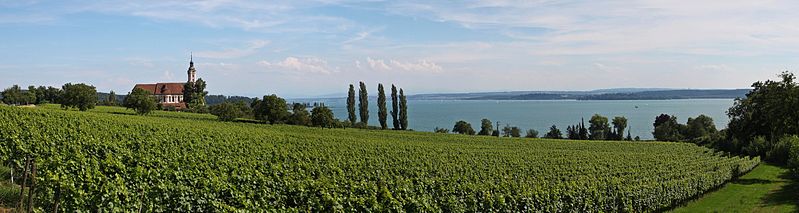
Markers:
192,73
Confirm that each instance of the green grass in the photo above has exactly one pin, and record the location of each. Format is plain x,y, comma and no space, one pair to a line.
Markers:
767,188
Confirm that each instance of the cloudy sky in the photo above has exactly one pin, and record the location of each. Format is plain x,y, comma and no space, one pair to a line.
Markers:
310,48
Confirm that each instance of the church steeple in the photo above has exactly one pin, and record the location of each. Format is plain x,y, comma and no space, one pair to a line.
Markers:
191,72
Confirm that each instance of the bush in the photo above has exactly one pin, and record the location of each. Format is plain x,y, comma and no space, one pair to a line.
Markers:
778,152
9,194
793,154
5,173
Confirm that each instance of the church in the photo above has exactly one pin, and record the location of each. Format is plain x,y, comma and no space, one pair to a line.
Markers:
170,94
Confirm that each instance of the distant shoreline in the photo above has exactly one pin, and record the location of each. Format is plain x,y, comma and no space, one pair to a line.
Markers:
677,94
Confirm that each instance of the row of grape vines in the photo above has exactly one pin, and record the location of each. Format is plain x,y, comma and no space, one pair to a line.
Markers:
109,162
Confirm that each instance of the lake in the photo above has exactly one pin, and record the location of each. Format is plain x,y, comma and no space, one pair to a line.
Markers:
425,115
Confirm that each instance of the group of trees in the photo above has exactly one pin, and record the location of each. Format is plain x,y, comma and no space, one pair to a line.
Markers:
273,109
80,96
599,129
399,104
765,123
487,129
696,129
34,95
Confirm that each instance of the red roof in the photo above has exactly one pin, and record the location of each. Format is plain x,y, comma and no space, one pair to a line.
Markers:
162,88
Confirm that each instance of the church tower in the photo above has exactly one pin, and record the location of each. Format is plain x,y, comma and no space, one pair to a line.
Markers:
192,72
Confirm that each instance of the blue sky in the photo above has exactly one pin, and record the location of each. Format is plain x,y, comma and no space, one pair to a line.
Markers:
310,48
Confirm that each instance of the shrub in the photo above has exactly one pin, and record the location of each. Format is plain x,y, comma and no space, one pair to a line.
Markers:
793,155
779,151
9,194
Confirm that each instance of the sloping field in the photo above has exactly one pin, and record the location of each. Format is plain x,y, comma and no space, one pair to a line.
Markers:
122,162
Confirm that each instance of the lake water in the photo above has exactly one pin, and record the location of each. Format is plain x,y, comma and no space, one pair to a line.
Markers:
425,115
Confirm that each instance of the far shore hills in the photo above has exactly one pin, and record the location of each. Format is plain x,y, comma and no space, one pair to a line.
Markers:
602,94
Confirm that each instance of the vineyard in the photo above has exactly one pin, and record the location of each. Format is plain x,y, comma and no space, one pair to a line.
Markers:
116,162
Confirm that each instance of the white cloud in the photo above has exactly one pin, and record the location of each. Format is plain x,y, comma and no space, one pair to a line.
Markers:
251,48
739,28
395,65
307,64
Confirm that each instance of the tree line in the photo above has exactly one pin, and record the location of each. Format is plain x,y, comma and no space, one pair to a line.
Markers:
599,129
80,96
399,107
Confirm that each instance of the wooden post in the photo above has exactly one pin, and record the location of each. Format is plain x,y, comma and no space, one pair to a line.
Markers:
22,184
33,186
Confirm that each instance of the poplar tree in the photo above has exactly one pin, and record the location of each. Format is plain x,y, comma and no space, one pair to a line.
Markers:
382,113
403,114
363,104
394,107
351,105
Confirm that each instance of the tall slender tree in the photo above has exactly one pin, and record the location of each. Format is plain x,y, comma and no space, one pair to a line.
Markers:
363,104
394,107
382,112
112,99
403,110
351,105
583,131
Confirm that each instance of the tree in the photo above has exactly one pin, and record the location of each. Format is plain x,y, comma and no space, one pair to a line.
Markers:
299,115
13,95
485,127
395,107
619,124
272,109
363,104
582,131
463,127
194,94
403,110
226,111
701,126
667,128
554,133
351,105
573,132
382,112
599,127
321,116
111,100
53,95
30,95
506,130
531,133
41,93
80,96
140,100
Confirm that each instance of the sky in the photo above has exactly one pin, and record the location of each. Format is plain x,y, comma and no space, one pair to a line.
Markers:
315,48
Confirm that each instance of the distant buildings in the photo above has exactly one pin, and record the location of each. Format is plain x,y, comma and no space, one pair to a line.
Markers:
170,94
